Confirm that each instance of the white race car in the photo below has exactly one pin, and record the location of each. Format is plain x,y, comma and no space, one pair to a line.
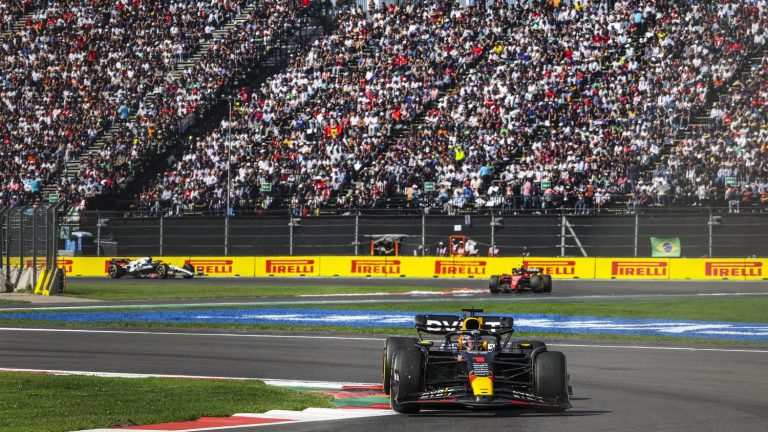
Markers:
146,267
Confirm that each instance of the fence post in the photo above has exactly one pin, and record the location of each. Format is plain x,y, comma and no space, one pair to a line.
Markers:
226,233
710,223
493,228
562,233
357,232
637,230
423,231
161,234
290,233
34,247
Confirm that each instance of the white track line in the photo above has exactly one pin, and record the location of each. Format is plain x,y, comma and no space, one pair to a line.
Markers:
373,339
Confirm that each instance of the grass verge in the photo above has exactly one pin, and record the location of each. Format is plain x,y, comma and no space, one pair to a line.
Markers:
63,403
143,290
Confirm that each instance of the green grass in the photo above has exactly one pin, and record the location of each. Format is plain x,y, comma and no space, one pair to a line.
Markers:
39,403
4,301
146,290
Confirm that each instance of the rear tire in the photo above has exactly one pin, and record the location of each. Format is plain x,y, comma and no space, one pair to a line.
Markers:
550,379
547,283
407,366
392,345
537,283
493,285
115,271
162,271
190,268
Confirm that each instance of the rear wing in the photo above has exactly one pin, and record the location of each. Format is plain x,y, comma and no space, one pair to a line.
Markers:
444,324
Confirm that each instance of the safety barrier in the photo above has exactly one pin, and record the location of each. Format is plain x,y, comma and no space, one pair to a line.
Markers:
449,267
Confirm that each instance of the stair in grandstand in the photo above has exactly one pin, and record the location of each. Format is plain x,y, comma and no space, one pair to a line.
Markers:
73,167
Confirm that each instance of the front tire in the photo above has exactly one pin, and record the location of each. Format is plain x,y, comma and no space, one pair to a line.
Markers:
537,283
392,345
162,271
493,284
407,368
547,283
550,379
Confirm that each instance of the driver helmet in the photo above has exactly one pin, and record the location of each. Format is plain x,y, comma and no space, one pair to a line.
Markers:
469,342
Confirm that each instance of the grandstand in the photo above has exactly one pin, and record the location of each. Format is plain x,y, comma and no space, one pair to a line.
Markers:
182,107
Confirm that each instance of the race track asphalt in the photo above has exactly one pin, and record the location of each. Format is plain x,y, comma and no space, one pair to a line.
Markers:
617,387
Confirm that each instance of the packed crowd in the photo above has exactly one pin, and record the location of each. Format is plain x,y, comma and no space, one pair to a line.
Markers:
12,10
320,129
570,105
728,158
75,67
160,116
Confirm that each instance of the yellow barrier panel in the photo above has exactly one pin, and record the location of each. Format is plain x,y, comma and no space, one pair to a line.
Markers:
564,268
718,269
365,266
632,268
41,281
218,266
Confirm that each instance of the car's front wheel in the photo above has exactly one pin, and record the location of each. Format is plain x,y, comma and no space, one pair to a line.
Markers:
392,345
163,271
550,379
190,268
115,271
407,368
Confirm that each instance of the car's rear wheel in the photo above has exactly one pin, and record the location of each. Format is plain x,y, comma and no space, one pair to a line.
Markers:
115,271
493,285
407,368
162,271
547,283
190,268
550,379
392,345
537,283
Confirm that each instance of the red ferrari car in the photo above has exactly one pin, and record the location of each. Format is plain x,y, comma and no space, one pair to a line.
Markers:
521,279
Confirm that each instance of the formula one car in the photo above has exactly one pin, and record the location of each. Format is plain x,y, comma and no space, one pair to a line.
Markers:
476,366
522,278
146,267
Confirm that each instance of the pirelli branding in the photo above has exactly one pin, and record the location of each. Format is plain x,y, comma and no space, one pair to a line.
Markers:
211,266
639,269
553,267
64,263
379,267
460,268
724,269
290,266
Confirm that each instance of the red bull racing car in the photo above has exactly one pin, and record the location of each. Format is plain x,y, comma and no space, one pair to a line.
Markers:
521,279
476,366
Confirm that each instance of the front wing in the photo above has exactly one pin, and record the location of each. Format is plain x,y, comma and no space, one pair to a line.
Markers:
462,397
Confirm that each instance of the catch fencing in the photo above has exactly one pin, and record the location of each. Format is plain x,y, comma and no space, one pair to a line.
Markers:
701,233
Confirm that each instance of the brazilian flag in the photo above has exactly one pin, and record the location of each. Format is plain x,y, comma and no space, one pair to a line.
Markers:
665,247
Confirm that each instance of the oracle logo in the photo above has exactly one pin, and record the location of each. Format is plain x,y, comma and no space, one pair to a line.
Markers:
375,267
733,269
290,266
211,266
638,268
553,267
460,267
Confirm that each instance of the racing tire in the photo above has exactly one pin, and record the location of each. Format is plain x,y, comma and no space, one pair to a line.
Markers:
550,379
189,268
392,345
163,271
115,271
407,368
493,285
547,283
537,283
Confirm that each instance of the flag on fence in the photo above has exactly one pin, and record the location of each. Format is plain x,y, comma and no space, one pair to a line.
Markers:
665,246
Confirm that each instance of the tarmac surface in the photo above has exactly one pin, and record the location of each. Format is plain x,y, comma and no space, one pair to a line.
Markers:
616,386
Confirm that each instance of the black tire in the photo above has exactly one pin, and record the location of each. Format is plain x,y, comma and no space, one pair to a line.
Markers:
115,271
190,268
162,271
493,285
550,379
407,368
547,283
537,283
391,345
